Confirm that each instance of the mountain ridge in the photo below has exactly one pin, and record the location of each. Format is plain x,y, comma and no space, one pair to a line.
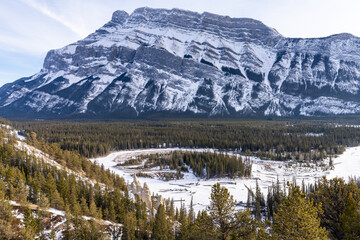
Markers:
181,62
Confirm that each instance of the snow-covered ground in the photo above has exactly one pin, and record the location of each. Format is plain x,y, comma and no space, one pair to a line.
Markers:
13,132
265,171
347,164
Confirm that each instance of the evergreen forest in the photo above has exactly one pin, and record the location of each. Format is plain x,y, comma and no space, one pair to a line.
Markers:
95,203
276,140
203,164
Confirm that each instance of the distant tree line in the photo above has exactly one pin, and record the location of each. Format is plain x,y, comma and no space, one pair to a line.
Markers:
276,140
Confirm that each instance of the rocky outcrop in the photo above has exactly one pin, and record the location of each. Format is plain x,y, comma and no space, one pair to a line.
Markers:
144,194
170,62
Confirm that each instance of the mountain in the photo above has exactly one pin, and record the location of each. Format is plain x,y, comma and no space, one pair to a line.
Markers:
158,62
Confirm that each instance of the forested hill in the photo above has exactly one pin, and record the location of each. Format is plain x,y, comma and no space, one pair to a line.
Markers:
70,195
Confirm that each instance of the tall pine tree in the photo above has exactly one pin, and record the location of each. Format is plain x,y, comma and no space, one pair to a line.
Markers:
297,218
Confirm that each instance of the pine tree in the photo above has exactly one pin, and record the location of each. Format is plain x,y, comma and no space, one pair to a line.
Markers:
172,209
40,223
250,197
203,228
161,230
129,226
84,206
259,202
96,231
51,191
9,225
142,223
56,201
93,210
278,194
245,226
191,215
222,209
350,220
270,204
21,193
68,232
30,225
177,214
72,198
43,201
183,220
334,196
297,218
112,215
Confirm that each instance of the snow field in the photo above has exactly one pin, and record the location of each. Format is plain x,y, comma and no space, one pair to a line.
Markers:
266,172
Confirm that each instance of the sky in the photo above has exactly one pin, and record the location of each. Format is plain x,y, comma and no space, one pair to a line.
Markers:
30,28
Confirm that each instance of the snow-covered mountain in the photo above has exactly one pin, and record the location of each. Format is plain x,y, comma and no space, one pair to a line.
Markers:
158,61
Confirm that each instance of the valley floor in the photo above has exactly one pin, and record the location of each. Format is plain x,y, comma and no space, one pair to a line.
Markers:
264,171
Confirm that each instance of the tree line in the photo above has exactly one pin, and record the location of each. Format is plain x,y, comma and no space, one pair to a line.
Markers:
276,140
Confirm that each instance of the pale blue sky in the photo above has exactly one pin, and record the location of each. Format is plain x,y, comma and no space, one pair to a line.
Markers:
30,28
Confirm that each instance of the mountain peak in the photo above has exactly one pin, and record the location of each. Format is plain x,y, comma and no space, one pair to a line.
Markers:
119,16
155,13
230,28
173,61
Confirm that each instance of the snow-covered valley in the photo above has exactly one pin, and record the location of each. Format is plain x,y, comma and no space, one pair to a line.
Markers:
264,171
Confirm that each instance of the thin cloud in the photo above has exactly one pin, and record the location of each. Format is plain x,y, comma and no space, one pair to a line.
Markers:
42,8
18,45
7,73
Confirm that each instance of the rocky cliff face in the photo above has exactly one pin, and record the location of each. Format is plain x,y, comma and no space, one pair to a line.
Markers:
158,61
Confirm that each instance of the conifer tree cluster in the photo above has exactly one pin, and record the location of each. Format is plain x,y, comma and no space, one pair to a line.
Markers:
203,164
332,205
26,179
